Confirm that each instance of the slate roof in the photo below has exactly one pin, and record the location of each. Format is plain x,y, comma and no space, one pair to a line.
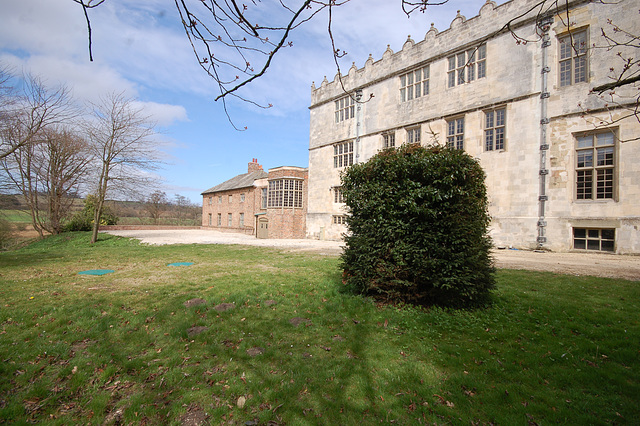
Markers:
241,181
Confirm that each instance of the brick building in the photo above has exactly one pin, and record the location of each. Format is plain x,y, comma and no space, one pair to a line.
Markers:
561,162
269,204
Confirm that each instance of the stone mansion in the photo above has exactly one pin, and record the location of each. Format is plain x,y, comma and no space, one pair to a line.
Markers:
562,162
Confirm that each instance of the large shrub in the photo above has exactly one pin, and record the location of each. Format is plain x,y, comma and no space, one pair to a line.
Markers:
83,220
418,228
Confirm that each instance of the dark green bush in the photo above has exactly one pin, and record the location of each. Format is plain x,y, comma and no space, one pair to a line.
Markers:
418,228
83,220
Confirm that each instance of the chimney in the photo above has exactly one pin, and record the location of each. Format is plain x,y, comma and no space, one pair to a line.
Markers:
254,166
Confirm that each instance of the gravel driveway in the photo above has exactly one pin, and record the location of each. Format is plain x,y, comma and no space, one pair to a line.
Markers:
595,264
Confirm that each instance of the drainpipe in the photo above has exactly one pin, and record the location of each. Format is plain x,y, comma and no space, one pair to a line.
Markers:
544,25
358,108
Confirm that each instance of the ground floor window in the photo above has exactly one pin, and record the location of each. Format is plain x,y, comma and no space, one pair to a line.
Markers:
219,219
210,221
455,133
229,220
594,239
339,220
337,195
241,220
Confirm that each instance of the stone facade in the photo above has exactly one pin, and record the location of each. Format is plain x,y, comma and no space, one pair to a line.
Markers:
259,203
509,104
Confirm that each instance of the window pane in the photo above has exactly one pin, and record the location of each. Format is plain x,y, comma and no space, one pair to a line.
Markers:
593,233
585,158
605,156
461,60
579,233
608,234
452,79
500,138
482,69
500,117
580,42
584,185
606,246
403,95
489,119
585,141
488,137
580,67
579,244
593,244
403,80
425,87
452,63
418,73
482,52
425,72
565,73
605,183
565,48
604,139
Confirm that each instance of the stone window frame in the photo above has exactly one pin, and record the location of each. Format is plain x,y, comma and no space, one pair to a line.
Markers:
596,166
467,65
573,59
285,193
415,83
495,129
414,134
455,133
594,239
343,154
388,140
263,203
345,108
338,196
339,219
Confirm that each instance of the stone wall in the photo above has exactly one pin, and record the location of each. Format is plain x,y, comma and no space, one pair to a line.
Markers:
514,82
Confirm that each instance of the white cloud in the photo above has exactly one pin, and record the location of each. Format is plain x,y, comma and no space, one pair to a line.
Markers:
163,114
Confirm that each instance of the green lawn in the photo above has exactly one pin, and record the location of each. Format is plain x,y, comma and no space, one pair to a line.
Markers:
120,348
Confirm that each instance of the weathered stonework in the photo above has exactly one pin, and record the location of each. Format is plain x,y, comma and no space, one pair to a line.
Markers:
519,174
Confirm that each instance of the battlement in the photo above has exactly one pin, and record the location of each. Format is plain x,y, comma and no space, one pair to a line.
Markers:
462,33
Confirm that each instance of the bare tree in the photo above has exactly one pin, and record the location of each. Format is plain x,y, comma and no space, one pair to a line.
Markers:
621,95
121,138
48,173
33,107
156,204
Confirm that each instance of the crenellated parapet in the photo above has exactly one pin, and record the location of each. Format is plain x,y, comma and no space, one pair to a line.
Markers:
462,32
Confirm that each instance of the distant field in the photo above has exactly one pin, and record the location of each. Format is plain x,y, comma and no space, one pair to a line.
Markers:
18,216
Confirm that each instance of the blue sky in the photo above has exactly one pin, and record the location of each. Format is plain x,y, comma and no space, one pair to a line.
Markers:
139,47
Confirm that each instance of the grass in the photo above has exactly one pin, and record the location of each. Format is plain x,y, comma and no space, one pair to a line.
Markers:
295,349
17,216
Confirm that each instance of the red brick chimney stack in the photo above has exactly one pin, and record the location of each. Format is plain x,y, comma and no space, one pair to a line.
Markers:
254,166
